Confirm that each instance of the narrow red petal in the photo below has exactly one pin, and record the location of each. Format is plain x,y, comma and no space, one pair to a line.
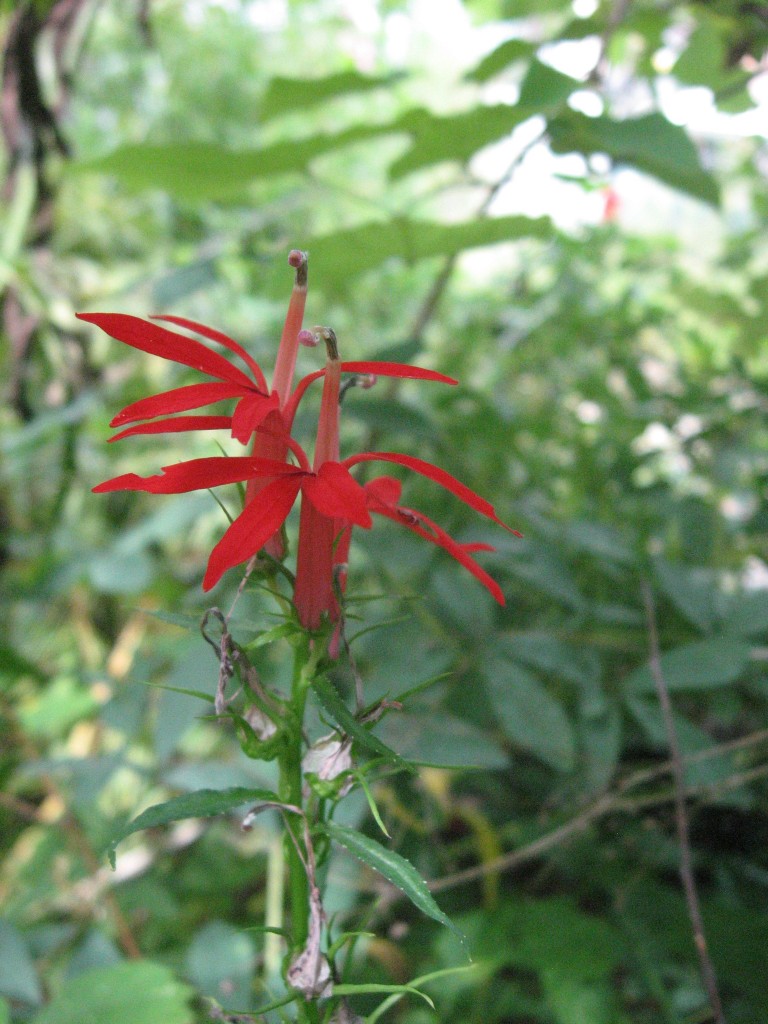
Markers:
412,520
290,407
396,370
159,341
198,474
250,413
450,483
335,494
177,424
192,396
213,335
253,527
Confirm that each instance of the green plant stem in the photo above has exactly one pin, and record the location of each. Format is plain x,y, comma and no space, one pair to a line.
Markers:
305,665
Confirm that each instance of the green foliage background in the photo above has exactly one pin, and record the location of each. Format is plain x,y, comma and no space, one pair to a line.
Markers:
614,384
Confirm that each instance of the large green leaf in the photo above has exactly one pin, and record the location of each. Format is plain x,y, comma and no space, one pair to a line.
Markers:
285,95
205,803
394,868
342,255
545,89
529,715
718,661
454,137
202,170
650,143
129,993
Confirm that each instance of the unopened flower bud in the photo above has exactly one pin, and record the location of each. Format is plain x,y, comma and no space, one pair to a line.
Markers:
308,339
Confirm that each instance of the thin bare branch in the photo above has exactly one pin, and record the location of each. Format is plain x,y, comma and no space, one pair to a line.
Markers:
708,975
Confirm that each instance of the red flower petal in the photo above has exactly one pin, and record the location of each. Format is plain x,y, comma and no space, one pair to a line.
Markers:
335,494
253,527
176,425
222,339
191,396
384,490
450,483
158,341
396,370
250,413
198,474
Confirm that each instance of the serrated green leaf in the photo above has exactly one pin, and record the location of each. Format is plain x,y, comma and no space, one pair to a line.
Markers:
205,803
529,715
285,95
649,143
704,665
509,52
128,993
395,868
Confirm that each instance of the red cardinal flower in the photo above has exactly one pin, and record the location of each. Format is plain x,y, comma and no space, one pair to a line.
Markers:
266,414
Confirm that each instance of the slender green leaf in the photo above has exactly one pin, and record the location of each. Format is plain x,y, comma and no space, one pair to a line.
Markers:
205,803
343,717
372,988
394,868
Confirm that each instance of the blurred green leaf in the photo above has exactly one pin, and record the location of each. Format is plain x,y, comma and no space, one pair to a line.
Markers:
544,89
509,52
285,95
531,718
130,993
18,977
718,661
343,255
220,962
691,589
650,143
